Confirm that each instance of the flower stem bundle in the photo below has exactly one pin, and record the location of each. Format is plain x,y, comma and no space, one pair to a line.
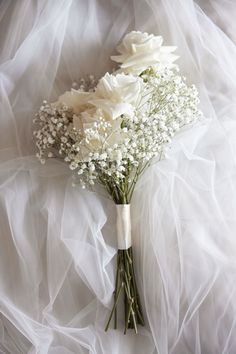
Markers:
125,281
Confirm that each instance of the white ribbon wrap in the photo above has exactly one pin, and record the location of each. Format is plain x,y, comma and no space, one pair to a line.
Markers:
123,224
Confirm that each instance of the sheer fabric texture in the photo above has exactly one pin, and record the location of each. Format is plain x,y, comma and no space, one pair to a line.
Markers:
58,243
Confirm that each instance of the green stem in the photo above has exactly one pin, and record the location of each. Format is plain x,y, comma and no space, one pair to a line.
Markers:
115,292
125,278
114,306
136,295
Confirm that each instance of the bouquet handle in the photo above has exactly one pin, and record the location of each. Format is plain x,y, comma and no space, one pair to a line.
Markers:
125,274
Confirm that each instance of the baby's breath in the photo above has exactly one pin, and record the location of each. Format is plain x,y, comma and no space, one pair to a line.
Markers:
116,153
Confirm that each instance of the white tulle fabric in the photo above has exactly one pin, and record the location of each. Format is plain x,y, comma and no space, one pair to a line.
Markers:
58,243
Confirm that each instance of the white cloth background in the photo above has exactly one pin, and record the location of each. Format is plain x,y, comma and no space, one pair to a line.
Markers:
57,243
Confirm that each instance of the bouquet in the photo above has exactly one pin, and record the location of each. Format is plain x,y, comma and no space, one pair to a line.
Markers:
110,130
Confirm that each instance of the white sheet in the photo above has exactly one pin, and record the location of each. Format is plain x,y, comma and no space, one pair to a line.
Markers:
57,243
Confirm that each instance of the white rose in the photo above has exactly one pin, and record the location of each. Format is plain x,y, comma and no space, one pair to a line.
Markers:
79,102
117,94
97,142
139,50
114,95
75,99
83,121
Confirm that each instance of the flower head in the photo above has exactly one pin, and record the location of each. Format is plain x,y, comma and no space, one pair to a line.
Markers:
140,50
117,94
75,99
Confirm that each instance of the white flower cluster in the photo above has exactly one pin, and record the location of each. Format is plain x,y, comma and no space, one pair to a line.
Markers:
109,133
